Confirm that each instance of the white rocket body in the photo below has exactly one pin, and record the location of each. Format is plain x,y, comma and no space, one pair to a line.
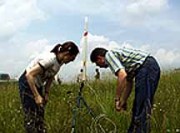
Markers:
85,41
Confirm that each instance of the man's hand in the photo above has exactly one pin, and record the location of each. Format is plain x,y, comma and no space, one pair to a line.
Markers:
123,105
120,105
117,105
39,100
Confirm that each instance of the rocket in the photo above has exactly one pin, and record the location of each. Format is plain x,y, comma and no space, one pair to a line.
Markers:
84,50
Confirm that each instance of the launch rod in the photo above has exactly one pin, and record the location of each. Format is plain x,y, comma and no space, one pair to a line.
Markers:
85,39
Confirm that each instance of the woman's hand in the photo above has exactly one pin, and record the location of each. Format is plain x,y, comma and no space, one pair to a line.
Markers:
46,98
39,100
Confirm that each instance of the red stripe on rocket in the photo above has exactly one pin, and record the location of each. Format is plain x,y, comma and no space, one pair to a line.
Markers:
85,33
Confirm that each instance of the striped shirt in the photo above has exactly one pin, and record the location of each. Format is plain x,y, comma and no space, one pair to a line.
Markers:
125,58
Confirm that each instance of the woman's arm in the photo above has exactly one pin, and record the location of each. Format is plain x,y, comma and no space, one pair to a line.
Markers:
48,84
30,75
47,88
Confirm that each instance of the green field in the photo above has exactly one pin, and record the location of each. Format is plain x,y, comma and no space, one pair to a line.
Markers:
100,97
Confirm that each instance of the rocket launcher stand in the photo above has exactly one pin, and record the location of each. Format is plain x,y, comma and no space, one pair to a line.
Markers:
80,101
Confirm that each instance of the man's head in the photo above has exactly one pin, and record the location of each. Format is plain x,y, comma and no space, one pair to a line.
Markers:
98,56
97,70
81,70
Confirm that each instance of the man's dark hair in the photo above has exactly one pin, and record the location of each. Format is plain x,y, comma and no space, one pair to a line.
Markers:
96,52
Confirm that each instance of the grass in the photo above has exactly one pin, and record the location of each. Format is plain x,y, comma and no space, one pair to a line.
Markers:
100,97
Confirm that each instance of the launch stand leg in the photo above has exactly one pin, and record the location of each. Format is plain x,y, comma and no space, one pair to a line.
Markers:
80,101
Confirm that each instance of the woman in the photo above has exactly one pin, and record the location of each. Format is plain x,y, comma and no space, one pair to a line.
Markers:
35,82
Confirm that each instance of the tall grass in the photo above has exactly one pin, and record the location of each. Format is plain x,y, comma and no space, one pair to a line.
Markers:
100,97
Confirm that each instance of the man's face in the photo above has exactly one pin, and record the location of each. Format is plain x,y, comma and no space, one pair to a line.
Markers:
101,62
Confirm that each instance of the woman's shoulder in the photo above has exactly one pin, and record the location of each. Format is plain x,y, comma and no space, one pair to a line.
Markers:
47,55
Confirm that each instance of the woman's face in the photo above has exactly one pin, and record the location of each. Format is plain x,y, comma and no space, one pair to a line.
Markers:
68,58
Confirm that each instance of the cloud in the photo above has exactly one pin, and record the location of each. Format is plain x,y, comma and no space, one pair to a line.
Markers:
16,15
32,49
138,12
18,59
19,55
150,14
98,41
87,7
168,58
142,7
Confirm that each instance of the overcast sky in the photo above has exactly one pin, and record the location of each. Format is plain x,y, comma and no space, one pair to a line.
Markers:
29,27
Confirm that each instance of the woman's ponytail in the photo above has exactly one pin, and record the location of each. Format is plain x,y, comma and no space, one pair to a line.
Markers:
56,49
69,46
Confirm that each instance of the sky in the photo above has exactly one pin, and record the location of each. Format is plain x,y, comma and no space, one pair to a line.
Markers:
30,27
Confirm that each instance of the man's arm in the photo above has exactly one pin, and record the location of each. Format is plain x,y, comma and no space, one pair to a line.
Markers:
121,83
127,91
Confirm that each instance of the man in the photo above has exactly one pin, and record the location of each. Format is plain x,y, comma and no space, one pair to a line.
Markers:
97,76
128,64
80,76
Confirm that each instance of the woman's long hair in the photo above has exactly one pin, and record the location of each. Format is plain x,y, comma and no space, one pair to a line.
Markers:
69,46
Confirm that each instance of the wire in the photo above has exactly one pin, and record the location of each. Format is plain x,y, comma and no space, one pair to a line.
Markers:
97,99
96,122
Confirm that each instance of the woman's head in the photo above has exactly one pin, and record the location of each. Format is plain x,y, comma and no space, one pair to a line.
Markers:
66,51
68,46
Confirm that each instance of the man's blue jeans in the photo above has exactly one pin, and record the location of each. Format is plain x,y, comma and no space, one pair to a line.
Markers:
34,114
146,82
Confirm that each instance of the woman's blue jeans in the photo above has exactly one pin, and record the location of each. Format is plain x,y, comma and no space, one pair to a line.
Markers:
33,114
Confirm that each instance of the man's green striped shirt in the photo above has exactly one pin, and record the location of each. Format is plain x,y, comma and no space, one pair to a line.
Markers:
125,58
